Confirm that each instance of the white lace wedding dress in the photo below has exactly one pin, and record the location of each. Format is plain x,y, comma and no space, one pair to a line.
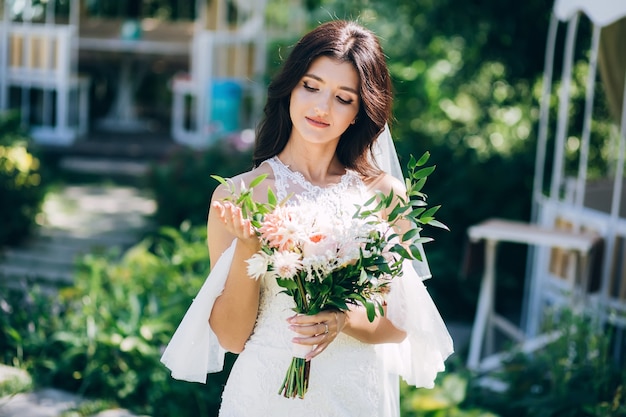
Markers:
349,378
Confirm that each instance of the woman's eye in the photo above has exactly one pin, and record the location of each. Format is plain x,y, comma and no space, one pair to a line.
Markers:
344,101
308,87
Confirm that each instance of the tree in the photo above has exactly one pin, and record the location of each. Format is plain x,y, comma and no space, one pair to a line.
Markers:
464,75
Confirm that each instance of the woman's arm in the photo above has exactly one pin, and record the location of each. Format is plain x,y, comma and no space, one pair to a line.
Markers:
235,310
381,330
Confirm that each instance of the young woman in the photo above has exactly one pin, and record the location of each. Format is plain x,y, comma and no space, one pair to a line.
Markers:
326,113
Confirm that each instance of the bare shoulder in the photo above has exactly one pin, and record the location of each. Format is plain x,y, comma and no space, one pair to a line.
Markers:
244,180
385,183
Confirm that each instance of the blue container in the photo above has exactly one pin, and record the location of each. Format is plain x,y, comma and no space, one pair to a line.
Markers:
226,97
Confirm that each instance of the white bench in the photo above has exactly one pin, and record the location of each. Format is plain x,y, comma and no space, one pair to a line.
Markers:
553,288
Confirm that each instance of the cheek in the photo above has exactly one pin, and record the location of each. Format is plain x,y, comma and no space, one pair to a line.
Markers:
348,112
296,102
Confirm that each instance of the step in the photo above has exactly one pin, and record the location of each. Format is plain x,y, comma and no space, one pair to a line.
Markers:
104,166
52,258
85,239
12,275
57,246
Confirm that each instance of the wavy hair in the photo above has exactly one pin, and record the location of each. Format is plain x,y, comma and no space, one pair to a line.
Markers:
345,41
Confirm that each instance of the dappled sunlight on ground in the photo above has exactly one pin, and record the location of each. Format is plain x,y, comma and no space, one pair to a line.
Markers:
92,210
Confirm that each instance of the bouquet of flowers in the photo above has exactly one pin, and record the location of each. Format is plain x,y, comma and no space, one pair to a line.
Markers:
328,262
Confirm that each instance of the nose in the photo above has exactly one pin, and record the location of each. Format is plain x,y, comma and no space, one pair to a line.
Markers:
321,111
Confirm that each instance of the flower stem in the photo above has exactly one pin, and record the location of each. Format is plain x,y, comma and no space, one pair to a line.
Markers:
296,380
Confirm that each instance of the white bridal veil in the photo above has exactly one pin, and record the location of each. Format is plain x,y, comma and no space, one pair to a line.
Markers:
387,159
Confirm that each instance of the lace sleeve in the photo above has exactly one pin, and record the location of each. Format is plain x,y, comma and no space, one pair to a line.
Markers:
421,355
194,351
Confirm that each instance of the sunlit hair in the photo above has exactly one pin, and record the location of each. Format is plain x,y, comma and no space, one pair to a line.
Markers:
344,41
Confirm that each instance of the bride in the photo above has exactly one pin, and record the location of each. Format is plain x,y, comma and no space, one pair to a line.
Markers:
323,138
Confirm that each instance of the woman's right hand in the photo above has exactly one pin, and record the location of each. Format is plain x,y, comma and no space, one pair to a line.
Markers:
232,218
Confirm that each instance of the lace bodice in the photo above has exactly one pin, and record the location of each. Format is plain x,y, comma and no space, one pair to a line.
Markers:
339,197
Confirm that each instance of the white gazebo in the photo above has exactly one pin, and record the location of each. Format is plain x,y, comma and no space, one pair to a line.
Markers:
577,223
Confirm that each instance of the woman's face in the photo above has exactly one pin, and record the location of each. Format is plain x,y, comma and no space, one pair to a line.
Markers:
326,101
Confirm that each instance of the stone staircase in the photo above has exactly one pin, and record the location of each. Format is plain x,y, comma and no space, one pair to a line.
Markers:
75,220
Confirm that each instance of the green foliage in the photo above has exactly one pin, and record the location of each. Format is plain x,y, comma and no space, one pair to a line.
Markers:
88,408
182,185
574,376
14,381
444,400
467,84
21,183
28,317
103,336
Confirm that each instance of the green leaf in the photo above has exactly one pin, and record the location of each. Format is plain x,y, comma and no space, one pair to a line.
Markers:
389,198
257,181
438,224
219,179
401,250
271,197
371,310
410,235
400,209
381,310
431,211
370,201
413,163
424,172
341,305
417,212
423,239
289,284
415,252
414,190
423,159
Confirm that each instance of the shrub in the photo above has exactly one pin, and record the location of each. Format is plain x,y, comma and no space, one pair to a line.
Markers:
21,188
103,336
444,400
574,376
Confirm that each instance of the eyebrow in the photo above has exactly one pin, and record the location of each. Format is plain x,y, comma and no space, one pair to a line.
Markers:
348,89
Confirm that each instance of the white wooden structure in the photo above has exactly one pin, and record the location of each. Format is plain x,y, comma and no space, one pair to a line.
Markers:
222,56
221,50
573,220
39,60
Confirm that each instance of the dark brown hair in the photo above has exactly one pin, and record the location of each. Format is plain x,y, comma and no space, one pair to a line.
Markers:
345,41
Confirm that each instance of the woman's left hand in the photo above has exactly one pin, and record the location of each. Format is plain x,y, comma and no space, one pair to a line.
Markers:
317,330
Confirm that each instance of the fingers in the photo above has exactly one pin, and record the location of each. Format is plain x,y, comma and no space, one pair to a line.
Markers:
319,342
318,330
232,218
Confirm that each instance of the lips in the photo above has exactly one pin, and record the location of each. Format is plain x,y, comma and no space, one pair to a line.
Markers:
316,121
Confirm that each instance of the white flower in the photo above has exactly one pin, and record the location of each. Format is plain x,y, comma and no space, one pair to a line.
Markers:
258,265
286,264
